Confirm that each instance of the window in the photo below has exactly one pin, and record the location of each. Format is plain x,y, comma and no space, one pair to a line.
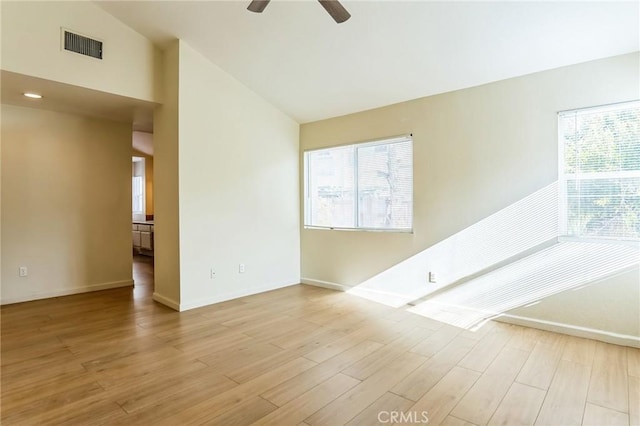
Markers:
138,194
362,186
600,172
138,188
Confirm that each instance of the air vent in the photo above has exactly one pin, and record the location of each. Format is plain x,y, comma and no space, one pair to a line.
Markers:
82,45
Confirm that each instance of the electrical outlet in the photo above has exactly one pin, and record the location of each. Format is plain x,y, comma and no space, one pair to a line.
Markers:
23,271
432,277
241,268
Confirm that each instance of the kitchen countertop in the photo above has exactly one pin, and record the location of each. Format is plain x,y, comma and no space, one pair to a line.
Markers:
143,222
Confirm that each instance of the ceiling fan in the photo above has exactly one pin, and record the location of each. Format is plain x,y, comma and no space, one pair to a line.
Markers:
333,7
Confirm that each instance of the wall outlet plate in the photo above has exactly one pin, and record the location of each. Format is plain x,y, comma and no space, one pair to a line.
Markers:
23,271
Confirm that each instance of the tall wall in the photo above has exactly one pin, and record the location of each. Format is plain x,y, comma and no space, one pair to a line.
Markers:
165,180
34,27
476,151
66,214
236,160
66,197
238,187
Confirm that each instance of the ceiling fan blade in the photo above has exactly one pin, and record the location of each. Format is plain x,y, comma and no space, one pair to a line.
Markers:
336,10
258,5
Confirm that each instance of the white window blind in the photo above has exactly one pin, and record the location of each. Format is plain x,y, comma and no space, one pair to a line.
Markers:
137,194
362,186
600,172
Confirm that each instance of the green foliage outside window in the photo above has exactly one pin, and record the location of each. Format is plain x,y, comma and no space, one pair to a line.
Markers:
602,172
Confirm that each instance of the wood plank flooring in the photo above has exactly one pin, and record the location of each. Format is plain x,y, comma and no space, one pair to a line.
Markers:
295,356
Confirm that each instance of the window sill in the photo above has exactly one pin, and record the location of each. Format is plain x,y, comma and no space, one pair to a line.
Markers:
573,239
396,231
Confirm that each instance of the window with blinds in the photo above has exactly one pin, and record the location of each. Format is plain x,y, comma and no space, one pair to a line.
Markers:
137,193
600,172
365,186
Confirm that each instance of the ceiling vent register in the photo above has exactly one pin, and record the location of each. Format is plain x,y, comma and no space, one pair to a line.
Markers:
82,45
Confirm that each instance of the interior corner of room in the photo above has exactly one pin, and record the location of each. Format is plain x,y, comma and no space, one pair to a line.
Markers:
208,174
320,212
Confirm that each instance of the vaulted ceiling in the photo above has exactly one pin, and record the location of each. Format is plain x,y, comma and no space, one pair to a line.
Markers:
296,57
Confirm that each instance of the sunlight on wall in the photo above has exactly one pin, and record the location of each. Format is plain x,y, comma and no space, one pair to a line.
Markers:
550,271
507,260
511,233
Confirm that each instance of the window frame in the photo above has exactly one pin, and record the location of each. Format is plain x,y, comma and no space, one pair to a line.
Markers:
366,144
563,216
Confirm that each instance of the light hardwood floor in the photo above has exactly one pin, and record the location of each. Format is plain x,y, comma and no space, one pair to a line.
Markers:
295,356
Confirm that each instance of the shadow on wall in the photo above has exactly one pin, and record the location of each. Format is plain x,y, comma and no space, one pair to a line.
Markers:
510,259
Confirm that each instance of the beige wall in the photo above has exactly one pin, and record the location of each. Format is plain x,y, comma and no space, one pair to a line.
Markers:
165,179
66,203
476,151
238,187
34,27
611,305
234,158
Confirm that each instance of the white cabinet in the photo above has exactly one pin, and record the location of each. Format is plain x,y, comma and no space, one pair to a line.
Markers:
142,236
146,240
136,239
145,228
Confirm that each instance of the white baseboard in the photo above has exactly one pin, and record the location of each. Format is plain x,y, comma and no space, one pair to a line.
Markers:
166,301
572,330
231,295
380,296
388,298
66,292
324,284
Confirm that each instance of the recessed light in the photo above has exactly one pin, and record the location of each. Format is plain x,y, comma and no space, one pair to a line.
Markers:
32,95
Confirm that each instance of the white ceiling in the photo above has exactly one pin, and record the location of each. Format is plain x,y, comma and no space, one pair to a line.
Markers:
296,57
76,100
